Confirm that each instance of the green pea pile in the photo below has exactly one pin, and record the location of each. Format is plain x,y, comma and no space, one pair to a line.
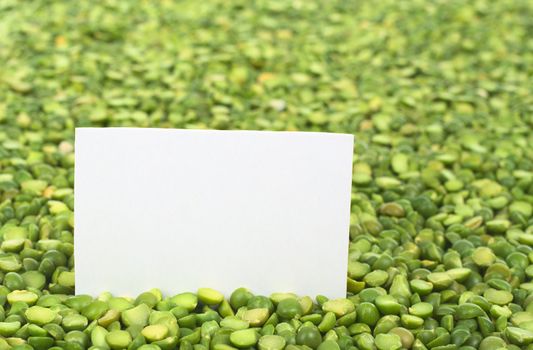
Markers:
439,96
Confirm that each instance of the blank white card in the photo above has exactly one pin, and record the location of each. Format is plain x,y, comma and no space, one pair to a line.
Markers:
184,209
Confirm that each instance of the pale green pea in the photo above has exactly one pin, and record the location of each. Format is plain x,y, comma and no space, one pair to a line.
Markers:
256,317
400,287
271,342
367,313
421,309
376,278
388,341
518,336
483,256
234,323
328,322
186,300
7,329
518,318
118,339
454,185
10,263
210,296
74,322
40,315
411,321
328,345
387,305
357,270
24,296
120,303
66,279
439,280
98,335
365,341
491,343
522,207
244,338
109,317
34,279
468,311
421,287
136,316
155,332
498,226
339,307
498,297
400,163
459,273
386,182
406,337
392,209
